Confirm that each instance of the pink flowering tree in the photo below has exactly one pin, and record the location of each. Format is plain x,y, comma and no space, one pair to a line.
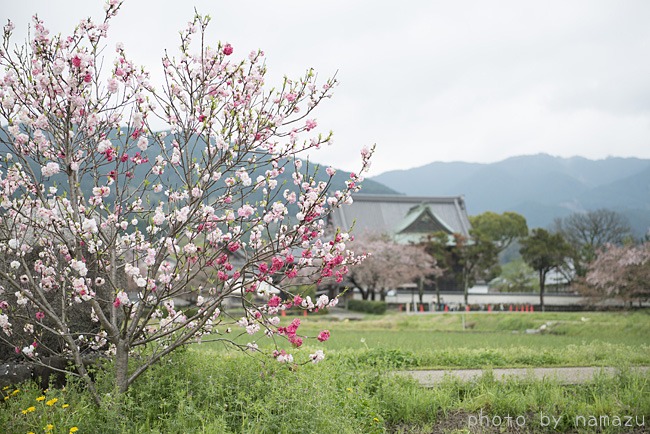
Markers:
620,272
389,265
105,222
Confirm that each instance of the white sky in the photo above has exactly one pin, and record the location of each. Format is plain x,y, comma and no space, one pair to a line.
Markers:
425,80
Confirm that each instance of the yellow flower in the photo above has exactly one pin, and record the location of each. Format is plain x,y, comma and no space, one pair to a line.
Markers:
28,410
74,429
65,406
40,398
15,392
49,427
51,402
5,388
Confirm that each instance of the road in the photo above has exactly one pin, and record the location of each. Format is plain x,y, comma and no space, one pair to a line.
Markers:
573,375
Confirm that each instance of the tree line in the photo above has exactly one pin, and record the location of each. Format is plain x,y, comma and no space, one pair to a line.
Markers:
594,252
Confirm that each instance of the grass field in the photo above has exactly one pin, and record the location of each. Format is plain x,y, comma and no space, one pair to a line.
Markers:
494,340
207,388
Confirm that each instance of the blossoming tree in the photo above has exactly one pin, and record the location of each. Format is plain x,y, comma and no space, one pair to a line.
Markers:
620,272
96,205
389,265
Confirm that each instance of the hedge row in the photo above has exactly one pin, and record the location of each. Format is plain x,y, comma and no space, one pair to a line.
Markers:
367,306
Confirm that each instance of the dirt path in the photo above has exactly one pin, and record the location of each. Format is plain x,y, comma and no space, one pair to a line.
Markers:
575,375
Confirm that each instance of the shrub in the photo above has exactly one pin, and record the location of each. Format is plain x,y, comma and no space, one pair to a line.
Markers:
388,357
376,307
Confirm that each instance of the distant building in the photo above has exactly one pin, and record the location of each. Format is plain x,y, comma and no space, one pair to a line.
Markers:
408,219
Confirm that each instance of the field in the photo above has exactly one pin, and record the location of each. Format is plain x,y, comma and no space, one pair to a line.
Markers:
499,340
208,388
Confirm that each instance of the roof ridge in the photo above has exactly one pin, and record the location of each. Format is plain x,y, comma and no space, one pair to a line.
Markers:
404,198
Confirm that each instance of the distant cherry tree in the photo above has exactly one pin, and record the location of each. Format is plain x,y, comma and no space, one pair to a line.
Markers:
105,222
620,272
389,265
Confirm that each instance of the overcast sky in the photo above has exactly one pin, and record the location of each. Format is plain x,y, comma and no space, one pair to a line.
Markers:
426,80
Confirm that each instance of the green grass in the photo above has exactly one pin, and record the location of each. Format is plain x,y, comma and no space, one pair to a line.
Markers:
206,391
626,328
209,389
456,402
495,340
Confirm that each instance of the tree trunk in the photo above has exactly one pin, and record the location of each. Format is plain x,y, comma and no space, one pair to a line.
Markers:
437,294
542,281
332,291
121,366
364,293
373,295
421,289
382,294
466,289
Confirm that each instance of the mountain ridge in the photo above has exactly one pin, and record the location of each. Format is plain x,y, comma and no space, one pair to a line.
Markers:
541,187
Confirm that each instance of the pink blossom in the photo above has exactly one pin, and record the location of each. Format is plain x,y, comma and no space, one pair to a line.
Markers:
282,356
263,267
143,142
121,299
227,49
274,301
40,315
317,356
112,86
322,301
276,264
50,169
5,324
310,124
293,327
296,341
245,211
323,336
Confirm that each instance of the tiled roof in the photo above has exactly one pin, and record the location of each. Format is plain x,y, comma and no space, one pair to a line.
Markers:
386,213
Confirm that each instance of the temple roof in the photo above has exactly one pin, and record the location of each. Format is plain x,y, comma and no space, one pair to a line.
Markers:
407,218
